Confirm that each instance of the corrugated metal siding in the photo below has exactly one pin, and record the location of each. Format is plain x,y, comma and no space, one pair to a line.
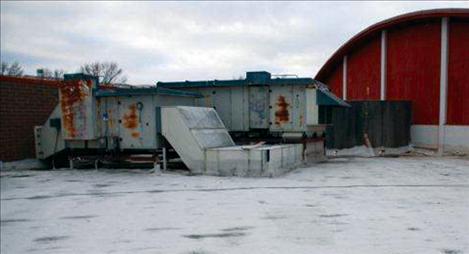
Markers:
334,81
414,68
363,71
458,77
387,123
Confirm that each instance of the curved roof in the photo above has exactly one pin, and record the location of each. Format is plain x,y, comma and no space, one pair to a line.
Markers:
373,29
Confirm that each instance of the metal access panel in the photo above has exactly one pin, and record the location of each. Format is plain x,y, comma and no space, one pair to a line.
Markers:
78,109
312,109
222,104
239,109
231,103
259,107
137,123
299,108
287,111
109,116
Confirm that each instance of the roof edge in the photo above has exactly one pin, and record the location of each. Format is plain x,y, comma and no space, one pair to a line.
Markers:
25,80
403,18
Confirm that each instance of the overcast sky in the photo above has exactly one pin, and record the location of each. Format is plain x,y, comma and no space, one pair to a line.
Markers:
164,41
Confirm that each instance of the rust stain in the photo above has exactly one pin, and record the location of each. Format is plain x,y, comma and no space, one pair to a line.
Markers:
135,135
111,119
282,115
130,119
73,93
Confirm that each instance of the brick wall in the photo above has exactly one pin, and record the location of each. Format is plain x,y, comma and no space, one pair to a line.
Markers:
24,103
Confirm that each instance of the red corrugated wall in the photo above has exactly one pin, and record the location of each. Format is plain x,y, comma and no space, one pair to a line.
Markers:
363,71
334,80
413,68
458,73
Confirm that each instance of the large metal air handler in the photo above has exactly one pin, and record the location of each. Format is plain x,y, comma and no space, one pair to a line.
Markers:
109,121
262,108
122,124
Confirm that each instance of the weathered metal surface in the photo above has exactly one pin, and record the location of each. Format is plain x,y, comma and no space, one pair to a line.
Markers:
312,109
191,130
200,118
76,102
231,104
130,122
137,119
135,91
222,104
281,106
130,118
239,108
252,78
267,161
260,102
386,123
259,107
327,98
299,108
282,114
48,140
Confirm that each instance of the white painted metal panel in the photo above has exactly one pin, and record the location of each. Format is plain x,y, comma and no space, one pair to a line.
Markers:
232,161
238,110
424,135
312,109
456,138
200,118
222,104
259,107
262,161
192,130
137,123
299,108
47,140
210,138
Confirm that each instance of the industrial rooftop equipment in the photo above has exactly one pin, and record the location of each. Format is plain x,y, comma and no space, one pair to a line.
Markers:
110,123
262,108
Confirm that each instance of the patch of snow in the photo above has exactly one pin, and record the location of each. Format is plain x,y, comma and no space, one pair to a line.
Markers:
364,151
22,164
346,205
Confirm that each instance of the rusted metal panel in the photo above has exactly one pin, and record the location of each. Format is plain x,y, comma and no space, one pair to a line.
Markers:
281,105
78,109
259,107
288,108
137,120
111,116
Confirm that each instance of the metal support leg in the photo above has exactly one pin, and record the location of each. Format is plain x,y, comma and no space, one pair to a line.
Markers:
156,168
165,165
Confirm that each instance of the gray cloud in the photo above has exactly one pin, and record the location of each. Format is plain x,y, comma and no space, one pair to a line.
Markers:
189,40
